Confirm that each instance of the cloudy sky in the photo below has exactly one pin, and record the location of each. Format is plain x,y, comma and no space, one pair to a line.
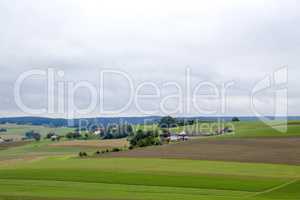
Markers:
178,54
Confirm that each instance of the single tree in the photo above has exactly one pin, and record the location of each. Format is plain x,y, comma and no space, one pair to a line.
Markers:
167,122
235,119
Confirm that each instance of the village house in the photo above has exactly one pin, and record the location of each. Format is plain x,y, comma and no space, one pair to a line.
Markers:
98,131
183,136
54,137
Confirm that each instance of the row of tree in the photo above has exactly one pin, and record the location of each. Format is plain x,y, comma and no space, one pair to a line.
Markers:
3,130
117,131
170,122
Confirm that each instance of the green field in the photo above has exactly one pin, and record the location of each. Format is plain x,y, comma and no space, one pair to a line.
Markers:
250,129
120,178
18,131
243,129
260,129
38,171
42,148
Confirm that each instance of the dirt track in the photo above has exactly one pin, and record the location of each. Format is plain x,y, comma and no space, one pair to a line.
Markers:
271,150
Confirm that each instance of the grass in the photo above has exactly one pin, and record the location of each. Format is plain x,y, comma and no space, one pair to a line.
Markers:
79,190
49,148
235,183
288,191
249,129
18,131
259,129
120,178
243,129
41,148
53,172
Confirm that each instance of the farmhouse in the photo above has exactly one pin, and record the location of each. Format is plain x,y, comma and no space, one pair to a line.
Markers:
174,138
98,131
168,136
54,137
183,136
224,130
178,137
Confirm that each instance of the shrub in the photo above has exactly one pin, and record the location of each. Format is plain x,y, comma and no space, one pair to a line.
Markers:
72,135
117,131
49,135
33,135
142,139
3,130
235,119
56,138
116,149
130,147
82,154
97,153
167,122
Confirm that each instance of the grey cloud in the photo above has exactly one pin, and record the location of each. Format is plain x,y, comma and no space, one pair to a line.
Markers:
151,41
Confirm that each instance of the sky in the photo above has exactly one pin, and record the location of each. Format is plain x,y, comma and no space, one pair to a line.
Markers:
136,57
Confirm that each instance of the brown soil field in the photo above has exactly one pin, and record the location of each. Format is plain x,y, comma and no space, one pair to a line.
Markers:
93,143
263,150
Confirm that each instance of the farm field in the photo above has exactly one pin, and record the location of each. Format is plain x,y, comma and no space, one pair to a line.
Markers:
237,167
245,129
270,150
92,143
126,178
242,129
149,100
49,148
258,129
18,131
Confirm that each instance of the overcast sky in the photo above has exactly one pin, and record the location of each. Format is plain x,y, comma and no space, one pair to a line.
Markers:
218,41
